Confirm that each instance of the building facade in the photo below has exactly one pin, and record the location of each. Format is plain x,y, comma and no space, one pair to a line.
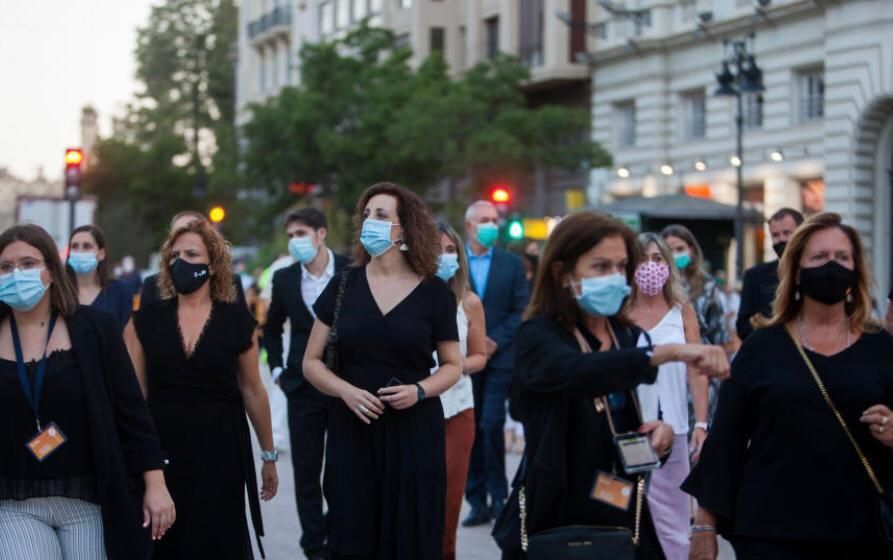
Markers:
820,137
272,33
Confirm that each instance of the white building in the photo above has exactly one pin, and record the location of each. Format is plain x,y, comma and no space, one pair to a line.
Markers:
272,33
819,137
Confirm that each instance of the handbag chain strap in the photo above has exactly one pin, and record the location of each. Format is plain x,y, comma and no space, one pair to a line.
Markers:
818,381
333,332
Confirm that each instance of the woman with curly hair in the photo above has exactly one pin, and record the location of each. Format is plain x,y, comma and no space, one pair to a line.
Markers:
385,478
196,357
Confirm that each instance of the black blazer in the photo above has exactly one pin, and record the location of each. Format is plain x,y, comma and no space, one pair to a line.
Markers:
504,297
757,295
567,441
287,303
123,438
149,294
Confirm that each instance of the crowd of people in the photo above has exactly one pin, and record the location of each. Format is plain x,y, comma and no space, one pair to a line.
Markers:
657,407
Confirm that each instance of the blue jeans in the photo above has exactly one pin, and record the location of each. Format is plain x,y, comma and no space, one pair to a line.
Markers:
486,472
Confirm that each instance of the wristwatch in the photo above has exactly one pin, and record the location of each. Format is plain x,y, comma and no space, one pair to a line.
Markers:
421,391
702,425
269,456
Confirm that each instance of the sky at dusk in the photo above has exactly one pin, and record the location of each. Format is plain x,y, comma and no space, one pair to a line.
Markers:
55,57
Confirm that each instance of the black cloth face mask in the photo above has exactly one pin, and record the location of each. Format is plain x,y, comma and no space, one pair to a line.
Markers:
779,248
828,283
188,277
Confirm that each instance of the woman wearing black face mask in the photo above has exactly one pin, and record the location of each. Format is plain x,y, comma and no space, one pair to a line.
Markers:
196,357
779,475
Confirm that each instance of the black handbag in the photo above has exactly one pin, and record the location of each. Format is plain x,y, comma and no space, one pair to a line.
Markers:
331,354
884,506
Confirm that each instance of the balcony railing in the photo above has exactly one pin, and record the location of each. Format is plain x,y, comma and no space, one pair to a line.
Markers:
278,19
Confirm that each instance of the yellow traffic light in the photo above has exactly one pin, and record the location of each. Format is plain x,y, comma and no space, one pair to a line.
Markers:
217,214
74,156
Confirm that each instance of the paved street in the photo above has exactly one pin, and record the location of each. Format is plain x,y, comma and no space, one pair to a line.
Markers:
284,532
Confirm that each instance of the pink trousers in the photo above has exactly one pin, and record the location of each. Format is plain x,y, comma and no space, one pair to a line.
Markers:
670,506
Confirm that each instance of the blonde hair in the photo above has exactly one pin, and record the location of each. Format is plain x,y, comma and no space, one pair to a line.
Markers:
220,262
673,292
459,282
787,306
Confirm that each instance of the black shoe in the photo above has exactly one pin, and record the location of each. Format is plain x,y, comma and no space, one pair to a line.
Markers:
318,555
496,508
477,517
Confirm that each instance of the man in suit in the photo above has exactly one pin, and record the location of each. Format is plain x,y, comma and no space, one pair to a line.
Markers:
295,290
761,281
149,294
497,277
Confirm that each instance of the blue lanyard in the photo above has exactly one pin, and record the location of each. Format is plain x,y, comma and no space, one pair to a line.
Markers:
31,395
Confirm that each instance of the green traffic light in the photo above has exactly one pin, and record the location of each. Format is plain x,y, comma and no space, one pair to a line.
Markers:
516,230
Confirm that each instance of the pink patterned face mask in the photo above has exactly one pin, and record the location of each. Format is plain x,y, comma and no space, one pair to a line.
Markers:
651,277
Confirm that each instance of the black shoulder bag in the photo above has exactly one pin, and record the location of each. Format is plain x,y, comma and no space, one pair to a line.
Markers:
331,354
884,506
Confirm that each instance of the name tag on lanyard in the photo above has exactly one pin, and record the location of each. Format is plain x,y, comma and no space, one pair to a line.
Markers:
49,438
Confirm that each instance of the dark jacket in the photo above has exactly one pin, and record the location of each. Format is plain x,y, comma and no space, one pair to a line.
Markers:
149,294
117,300
287,303
504,297
757,295
567,440
123,436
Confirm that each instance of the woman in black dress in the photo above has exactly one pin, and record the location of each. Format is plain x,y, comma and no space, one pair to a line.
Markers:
196,356
778,476
385,478
568,396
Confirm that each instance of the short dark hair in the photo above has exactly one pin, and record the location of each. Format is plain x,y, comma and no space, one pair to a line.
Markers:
310,217
785,212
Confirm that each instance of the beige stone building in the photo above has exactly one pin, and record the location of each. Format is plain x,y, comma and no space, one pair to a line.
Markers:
12,187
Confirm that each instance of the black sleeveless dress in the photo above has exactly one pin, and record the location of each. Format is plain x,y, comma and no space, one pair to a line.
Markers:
386,482
197,408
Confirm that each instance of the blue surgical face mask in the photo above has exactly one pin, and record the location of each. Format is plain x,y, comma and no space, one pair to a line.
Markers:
22,289
447,265
487,233
83,262
302,249
376,237
603,295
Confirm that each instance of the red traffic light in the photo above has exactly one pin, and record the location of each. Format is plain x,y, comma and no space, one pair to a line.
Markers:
500,194
74,157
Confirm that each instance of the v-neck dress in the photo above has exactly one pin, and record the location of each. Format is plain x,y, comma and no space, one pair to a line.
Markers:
197,407
386,482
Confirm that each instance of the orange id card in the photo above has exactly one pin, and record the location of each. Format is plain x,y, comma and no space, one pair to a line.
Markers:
612,490
46,442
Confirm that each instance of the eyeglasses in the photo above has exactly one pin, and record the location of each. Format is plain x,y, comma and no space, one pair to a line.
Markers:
28,263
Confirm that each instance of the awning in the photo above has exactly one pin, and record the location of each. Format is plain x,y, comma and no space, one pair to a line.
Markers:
678,207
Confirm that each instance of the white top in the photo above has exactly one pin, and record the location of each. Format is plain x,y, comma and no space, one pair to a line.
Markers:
669,394
459,397
312,286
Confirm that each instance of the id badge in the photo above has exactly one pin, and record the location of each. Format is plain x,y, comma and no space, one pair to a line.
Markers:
46,442
636,453
612,490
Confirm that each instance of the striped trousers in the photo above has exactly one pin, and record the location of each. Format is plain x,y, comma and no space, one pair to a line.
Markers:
50,529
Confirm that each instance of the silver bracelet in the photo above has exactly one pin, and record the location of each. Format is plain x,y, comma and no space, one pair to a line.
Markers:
701,529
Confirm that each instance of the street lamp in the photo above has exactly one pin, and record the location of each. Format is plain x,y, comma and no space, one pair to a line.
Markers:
746,78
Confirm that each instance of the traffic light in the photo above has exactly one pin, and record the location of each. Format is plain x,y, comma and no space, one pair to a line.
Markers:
500,195
217,214
515,228
74,161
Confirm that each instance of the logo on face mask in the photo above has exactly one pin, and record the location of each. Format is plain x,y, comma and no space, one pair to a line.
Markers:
188,277
603,296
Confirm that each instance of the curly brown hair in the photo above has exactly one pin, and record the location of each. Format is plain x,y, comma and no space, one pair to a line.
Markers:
572,237
220,266
419,230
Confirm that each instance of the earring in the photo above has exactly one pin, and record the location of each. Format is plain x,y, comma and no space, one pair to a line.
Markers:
797,295
404,247
849,297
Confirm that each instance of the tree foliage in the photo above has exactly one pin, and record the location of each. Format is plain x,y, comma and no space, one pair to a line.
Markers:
362,114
